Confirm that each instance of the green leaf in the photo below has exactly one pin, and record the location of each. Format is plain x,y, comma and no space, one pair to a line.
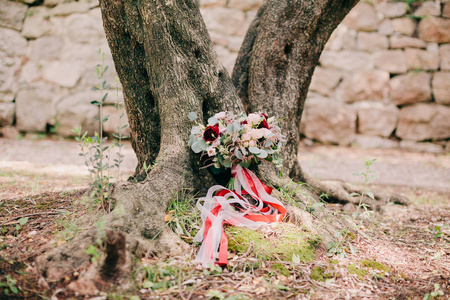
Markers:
14,289
147,284
23,221
192,116
370,194
94,88
354,195
104,98
226,163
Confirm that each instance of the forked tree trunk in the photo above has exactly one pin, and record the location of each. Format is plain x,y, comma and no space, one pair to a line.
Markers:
167,66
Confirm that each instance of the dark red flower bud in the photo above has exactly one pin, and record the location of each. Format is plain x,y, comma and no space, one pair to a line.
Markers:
211,133
264,116
244,122
263,124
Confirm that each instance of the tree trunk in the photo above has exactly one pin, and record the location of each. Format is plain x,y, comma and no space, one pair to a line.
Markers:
278,57
165,61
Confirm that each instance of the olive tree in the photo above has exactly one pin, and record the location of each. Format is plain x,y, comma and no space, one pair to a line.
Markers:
167,66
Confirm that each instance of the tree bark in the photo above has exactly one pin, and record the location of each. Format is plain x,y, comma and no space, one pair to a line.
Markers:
277,60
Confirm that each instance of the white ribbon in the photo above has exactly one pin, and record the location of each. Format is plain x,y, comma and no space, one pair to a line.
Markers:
209,250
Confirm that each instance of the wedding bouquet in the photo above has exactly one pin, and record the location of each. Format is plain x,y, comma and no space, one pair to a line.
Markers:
235,142
230,140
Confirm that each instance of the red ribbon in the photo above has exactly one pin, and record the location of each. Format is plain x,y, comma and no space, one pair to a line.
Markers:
223,247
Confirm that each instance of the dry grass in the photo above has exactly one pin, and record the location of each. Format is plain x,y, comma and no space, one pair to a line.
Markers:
406,254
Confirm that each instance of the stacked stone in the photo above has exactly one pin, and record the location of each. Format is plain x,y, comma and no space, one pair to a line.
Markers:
47,66
384,79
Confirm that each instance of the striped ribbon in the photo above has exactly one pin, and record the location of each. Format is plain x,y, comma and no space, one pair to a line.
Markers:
225,206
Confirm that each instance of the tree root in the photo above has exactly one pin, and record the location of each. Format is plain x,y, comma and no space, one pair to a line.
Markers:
134,229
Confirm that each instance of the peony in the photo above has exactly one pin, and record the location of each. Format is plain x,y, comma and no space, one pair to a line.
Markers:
254,118
211,151
266,132
263,124
256,133
245,137
221,115
211,133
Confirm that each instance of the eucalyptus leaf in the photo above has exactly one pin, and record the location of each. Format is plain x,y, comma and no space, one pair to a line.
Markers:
246,163
202,144
254,150
263,154
269,151
243,150
196,148
226,163
237,126
195,129
192,116
191,139
238,153
230,129
212,121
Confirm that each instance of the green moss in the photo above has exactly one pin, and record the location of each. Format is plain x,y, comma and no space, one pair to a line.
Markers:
283,242
360,272
280,268
334,262
368,263
319,274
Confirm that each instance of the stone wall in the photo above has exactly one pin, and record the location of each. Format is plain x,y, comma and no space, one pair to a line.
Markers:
383,79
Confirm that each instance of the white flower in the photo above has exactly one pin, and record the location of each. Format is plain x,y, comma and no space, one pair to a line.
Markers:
215,143
222,128
254,118
245,144
211,151
221,115
252,143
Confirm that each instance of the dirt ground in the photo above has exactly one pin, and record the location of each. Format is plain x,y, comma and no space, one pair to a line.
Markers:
402,253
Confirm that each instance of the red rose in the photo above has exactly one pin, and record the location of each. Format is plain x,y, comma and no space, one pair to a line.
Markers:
264,116
263,124
244,122
211,133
